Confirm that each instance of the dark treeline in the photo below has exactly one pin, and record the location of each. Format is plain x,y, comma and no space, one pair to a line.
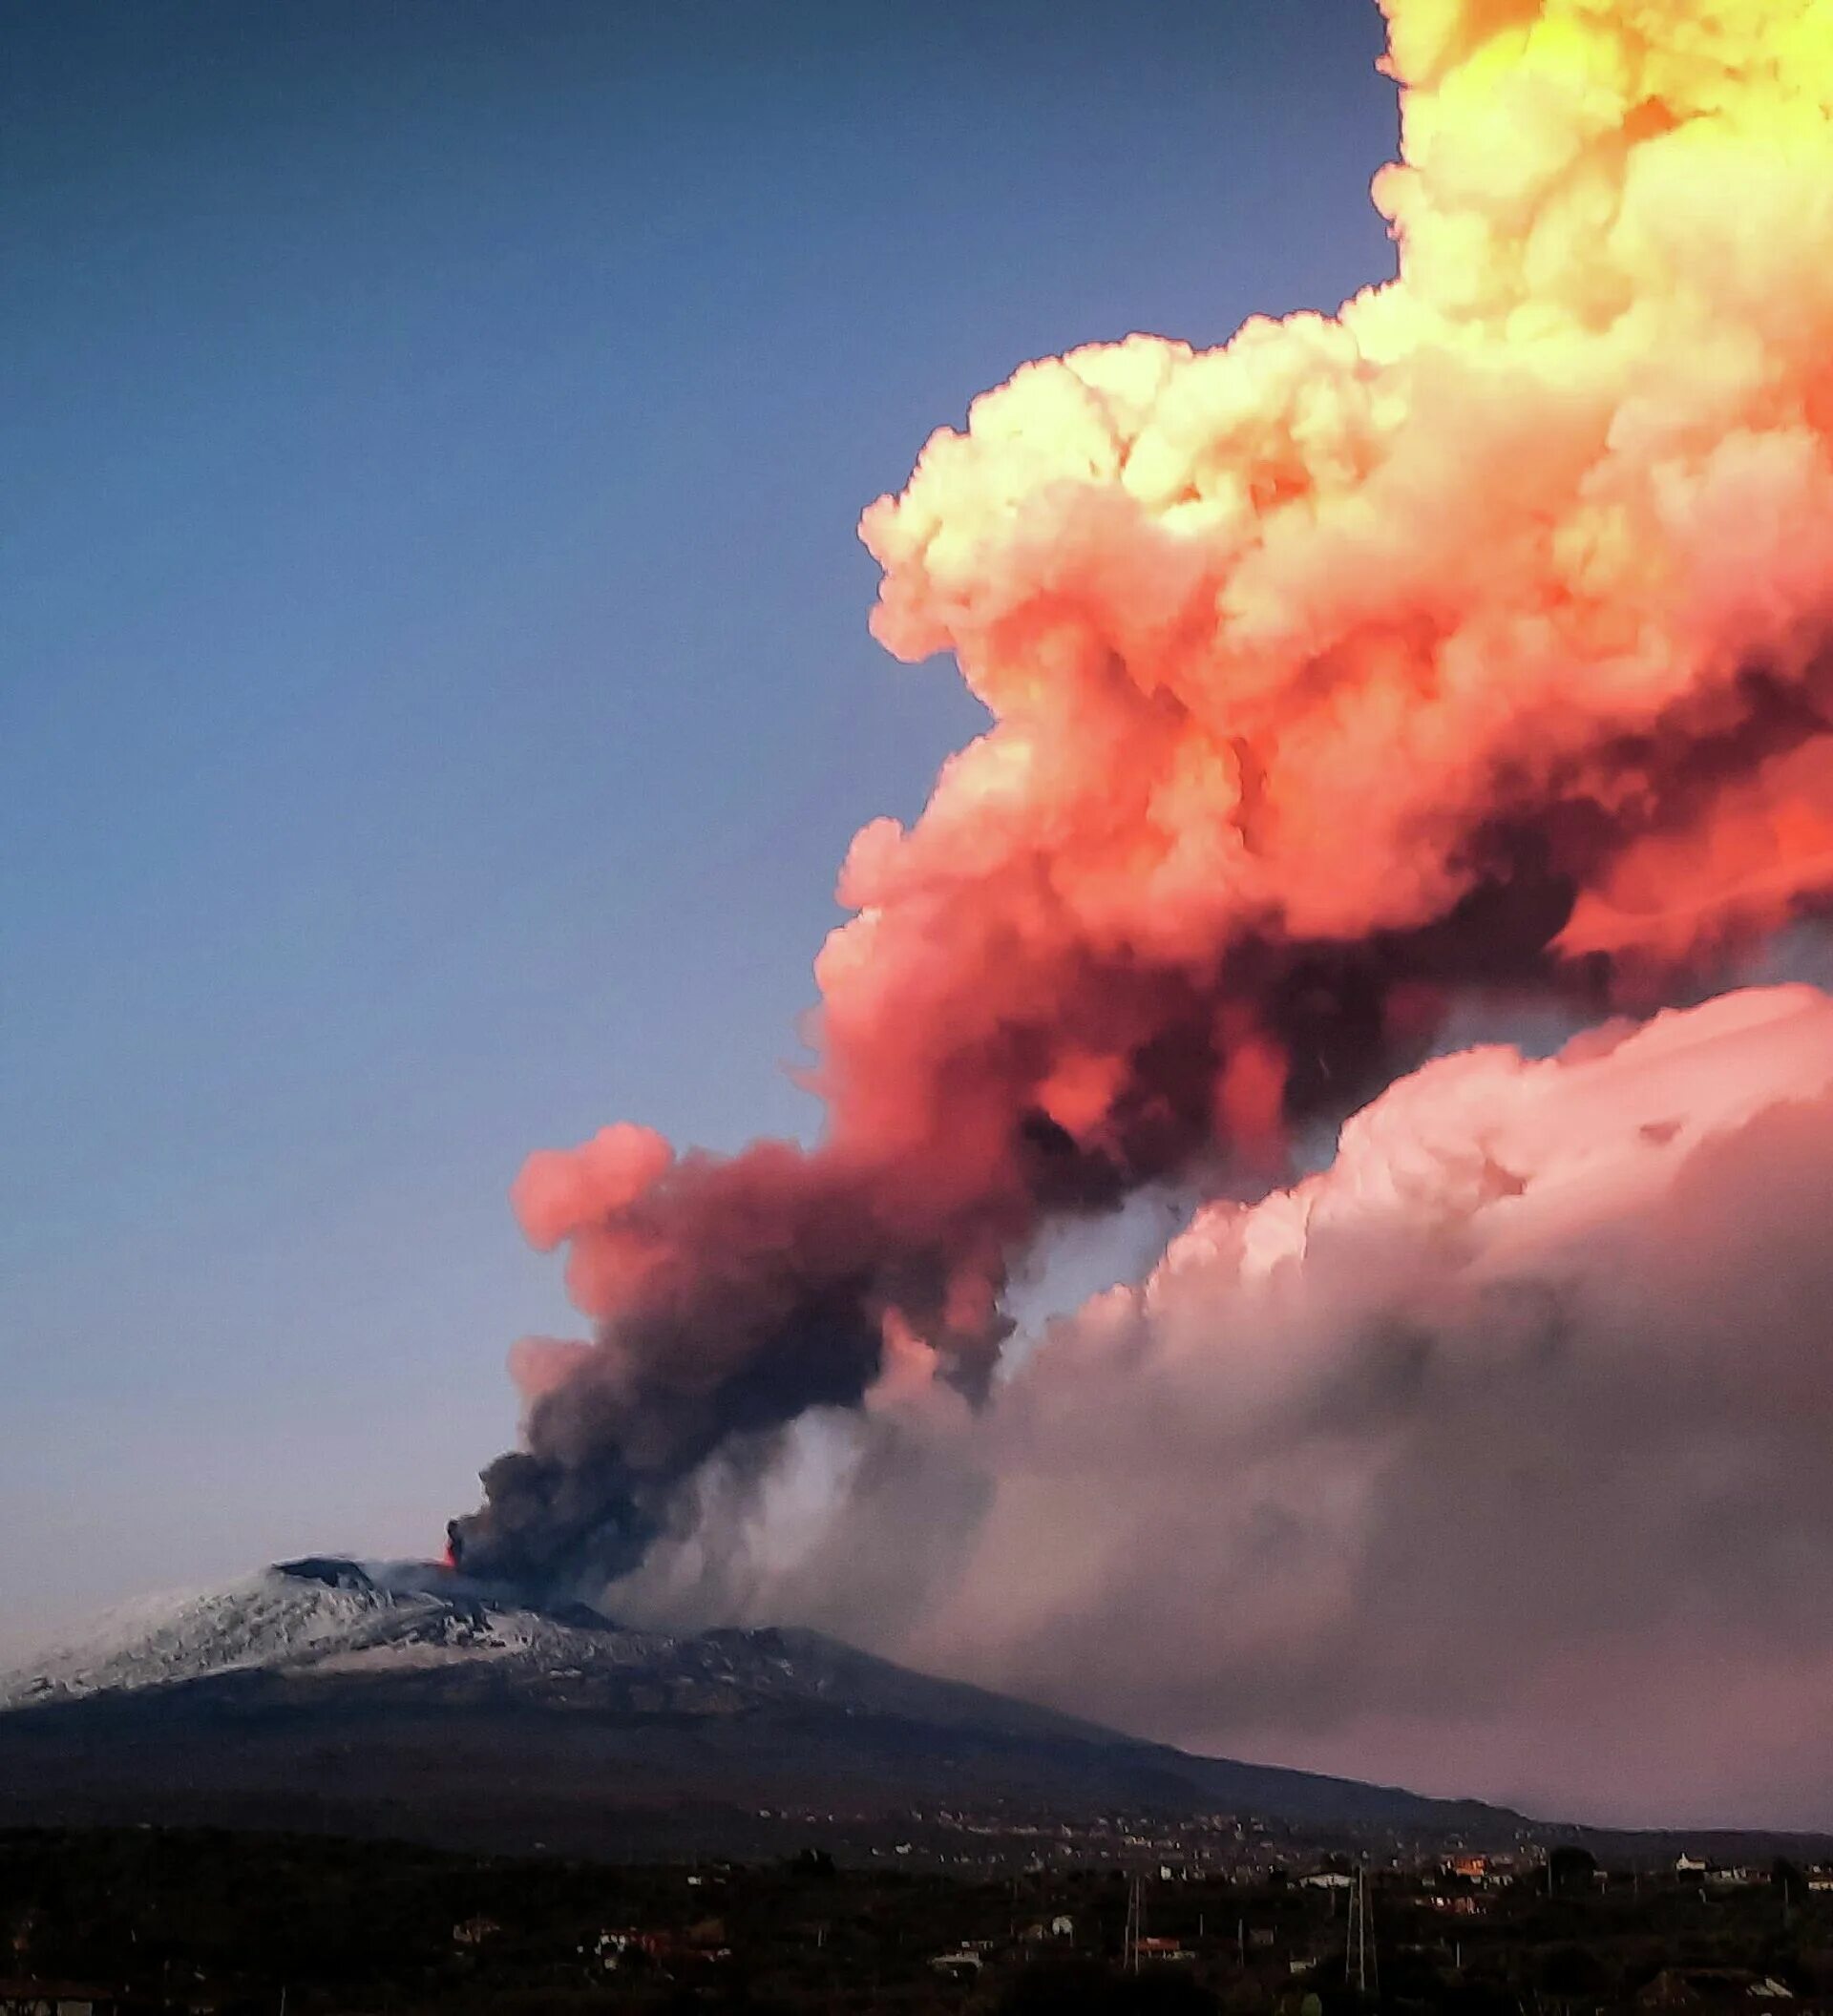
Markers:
219,1923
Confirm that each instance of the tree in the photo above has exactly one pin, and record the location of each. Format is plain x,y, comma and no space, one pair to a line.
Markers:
1085,1987
1573,1872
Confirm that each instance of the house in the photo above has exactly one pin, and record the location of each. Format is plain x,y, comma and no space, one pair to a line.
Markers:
702,1941
475,1931
962,1964
611,1947
1711,1988
1162,1949
55,1998
617,1944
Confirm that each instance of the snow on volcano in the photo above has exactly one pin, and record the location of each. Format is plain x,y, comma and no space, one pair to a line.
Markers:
331,1692
321,1614
412,1625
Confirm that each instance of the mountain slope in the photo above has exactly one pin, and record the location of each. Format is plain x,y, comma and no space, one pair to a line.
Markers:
325,1694
431,1634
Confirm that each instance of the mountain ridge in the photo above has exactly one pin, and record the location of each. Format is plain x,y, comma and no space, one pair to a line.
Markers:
329,1617
400,1697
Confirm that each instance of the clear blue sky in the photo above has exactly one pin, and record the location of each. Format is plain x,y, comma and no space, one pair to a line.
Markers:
436,692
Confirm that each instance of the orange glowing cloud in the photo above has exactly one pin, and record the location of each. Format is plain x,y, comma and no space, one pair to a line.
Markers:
1482,634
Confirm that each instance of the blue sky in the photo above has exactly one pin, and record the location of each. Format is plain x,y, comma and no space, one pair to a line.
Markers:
437,692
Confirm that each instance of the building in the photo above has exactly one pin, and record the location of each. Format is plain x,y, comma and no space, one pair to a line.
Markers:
1690,1989
55,1998
702,1941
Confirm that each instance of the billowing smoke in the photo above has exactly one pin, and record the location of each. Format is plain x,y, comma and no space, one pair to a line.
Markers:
1497,1455
1478,636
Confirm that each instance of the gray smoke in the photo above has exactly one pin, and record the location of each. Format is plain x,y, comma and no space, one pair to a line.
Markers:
1497,1457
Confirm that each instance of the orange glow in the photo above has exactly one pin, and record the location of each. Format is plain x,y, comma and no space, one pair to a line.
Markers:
1539,536
1481,631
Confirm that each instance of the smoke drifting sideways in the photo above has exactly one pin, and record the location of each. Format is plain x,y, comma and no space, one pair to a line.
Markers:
1479,636
1496,1457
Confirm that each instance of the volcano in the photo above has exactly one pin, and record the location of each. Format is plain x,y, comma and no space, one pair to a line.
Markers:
335,1695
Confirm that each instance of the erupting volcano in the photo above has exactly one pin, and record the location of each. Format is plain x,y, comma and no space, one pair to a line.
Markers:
1479,637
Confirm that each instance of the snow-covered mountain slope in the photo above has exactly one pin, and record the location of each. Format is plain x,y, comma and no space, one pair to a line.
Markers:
329,1619
320,1614
330,1694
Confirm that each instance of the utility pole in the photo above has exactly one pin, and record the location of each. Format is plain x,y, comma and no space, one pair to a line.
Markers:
1358,1949
1135,1918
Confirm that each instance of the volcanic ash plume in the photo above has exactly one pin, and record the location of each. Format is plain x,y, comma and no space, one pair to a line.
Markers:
1496,1457
1478,636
